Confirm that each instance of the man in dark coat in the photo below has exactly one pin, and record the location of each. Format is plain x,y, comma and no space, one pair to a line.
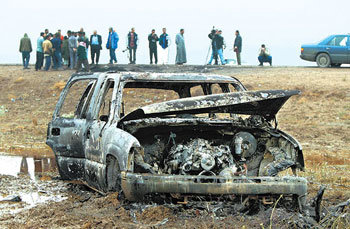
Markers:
57,53
65,50
153,39
81,54
220,46
237,47
132,45
25,48
96,46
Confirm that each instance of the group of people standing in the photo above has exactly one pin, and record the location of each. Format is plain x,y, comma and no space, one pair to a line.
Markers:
164,42
72,50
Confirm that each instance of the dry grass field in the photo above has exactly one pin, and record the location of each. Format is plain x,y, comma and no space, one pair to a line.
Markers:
319,118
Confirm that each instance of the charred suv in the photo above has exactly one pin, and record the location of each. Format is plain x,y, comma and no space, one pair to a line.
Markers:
177,134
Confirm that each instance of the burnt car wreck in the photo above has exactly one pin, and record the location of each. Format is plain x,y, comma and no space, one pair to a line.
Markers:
204,135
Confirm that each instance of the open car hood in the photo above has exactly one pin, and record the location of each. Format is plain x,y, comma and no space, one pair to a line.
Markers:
265,103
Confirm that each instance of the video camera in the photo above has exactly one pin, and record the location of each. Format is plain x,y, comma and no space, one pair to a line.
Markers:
213,31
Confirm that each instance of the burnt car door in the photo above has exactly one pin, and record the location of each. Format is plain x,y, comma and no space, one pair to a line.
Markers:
102,116
67,128
338,49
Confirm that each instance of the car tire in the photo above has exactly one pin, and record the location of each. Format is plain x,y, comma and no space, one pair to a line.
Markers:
335,65
323,60
113,180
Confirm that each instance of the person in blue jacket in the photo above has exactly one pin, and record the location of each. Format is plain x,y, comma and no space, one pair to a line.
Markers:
112,45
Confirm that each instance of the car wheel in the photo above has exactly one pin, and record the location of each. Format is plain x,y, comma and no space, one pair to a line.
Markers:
323,60
112,175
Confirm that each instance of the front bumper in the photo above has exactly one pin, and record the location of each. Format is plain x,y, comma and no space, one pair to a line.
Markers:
135,186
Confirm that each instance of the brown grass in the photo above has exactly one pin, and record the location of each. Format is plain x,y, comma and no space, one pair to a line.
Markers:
59,86
319,118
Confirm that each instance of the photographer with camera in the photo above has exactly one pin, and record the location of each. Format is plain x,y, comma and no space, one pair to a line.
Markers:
264,55
218,46
214,52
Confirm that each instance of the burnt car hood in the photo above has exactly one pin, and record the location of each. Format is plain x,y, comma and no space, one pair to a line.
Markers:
266,103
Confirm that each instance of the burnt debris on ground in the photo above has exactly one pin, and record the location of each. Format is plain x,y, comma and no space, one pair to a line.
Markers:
157,210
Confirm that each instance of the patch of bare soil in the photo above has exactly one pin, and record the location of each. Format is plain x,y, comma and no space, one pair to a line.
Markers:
318,118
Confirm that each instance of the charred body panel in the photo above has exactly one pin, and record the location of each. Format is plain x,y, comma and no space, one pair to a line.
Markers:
265,103
138,185
166,147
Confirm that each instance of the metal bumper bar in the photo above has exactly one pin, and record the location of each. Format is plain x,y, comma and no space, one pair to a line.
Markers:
136,186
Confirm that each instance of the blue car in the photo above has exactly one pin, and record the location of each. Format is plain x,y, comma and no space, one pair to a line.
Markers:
332,51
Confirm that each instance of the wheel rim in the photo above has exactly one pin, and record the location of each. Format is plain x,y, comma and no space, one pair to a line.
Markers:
323,61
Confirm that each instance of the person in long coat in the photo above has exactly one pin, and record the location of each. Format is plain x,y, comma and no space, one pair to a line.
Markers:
65,50
180,48
237,47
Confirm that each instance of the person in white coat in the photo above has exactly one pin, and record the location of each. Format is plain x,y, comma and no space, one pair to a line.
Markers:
164,43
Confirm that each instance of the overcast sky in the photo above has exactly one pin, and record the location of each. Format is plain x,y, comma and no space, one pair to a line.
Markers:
282,25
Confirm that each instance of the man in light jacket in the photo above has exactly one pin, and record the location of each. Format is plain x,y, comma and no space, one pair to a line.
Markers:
39,52
72,46
112,45
47,49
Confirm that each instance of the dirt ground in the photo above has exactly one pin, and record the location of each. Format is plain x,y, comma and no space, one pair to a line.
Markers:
319,118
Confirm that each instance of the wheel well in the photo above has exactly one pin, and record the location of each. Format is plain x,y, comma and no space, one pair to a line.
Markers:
112,174
323,53
109,157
